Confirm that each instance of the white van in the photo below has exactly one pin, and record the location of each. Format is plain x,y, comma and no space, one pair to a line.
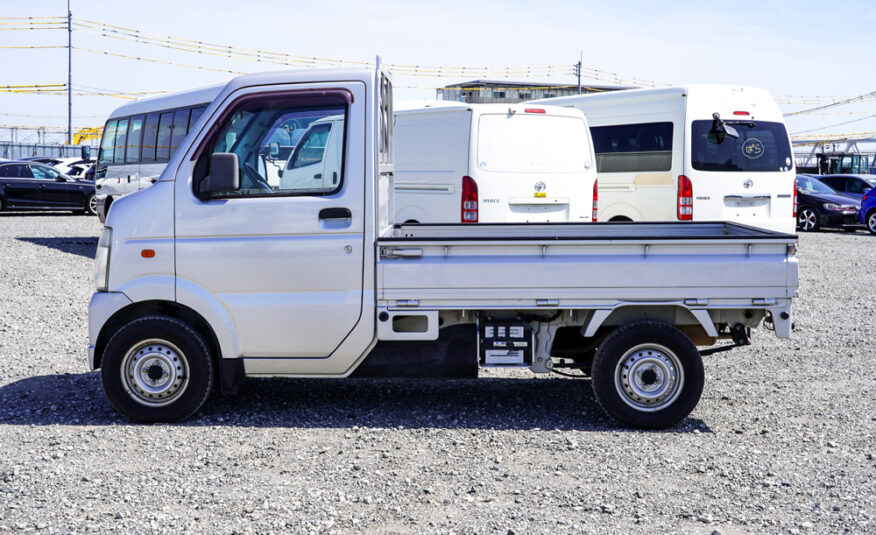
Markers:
140,137
492,163
317,157
671,154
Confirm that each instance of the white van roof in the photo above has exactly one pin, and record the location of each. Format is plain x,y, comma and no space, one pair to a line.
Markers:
410,108
191,97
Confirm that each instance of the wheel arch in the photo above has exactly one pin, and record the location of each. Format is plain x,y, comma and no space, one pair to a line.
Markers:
150,308
697,324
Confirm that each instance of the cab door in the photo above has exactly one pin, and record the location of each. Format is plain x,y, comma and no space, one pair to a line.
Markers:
285,262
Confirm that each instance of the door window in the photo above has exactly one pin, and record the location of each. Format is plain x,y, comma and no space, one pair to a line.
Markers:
180,129
107,142
150,133
133,145
162,146
858,186
121,139
261,135
43,172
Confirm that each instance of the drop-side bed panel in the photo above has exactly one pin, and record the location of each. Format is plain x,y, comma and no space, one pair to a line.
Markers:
448,267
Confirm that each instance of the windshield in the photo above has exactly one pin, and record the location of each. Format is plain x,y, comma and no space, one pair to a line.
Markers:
532,144
810,185
761,147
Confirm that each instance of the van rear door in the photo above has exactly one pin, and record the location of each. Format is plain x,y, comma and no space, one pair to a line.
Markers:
748,179
533,164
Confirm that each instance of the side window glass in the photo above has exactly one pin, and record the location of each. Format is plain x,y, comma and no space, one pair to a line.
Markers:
311,148
121,139
285,149
196,114
180,129
150,133
44,173
107,142
856,186
135,129
162,149
633,147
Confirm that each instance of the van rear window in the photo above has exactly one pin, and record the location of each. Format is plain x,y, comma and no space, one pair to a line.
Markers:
532,144
633,148
761,147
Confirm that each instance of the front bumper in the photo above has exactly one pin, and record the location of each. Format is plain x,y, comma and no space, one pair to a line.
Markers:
102,307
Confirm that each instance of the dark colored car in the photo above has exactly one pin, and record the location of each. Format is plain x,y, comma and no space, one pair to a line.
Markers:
34,186
852,185
868,211
819,206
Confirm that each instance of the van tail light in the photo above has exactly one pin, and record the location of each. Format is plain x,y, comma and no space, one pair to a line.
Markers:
795,198
685,199
469,207
595,199
533,110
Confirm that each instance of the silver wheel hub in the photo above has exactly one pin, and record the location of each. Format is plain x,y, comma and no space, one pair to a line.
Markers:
92,203
649,377
155,373
807,219
871,222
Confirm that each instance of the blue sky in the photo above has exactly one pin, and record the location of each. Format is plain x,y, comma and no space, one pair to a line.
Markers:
791,48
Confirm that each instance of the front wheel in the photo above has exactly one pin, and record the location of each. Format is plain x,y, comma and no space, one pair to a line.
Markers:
871,221
157,368
807,220
647,374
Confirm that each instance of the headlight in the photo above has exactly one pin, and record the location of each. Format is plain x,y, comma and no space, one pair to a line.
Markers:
101,260
832,206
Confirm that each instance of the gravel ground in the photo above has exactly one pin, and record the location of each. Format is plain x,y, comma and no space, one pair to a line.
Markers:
781,442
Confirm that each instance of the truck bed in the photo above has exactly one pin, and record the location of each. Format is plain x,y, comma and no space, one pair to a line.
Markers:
584,265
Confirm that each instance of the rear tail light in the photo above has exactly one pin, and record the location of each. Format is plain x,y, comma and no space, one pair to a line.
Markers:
740,113
685,199
469,207
795,198
864,198
595,199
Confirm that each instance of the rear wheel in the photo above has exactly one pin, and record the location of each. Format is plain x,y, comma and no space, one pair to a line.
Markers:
871,221
647,374
91,205
807,219
157,368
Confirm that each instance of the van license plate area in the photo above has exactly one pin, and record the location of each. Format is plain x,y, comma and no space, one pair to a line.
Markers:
506,343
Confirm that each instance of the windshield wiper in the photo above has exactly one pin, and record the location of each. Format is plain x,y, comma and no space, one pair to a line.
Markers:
721,127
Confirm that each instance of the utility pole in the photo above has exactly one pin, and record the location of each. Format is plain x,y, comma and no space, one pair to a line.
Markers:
577,69
69,75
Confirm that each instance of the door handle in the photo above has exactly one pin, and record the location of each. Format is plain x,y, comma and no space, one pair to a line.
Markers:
335,214
317,176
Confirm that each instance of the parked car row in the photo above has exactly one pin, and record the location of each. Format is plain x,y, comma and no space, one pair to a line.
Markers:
31,185
835,201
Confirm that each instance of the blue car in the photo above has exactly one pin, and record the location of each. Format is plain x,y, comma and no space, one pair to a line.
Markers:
867,213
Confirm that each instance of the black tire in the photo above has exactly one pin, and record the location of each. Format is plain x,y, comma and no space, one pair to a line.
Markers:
870,221
808,220
643,348
2,206
170,349
90,205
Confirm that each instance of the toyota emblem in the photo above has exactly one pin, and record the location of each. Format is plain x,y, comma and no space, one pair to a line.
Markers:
748,183
539,186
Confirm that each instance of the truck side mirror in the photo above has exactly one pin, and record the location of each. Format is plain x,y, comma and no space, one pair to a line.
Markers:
224,174
86,153
274,150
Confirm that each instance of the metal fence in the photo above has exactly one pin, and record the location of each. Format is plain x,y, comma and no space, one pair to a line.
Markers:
14,151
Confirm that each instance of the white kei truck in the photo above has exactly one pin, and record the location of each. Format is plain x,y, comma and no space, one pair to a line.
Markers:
212,274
